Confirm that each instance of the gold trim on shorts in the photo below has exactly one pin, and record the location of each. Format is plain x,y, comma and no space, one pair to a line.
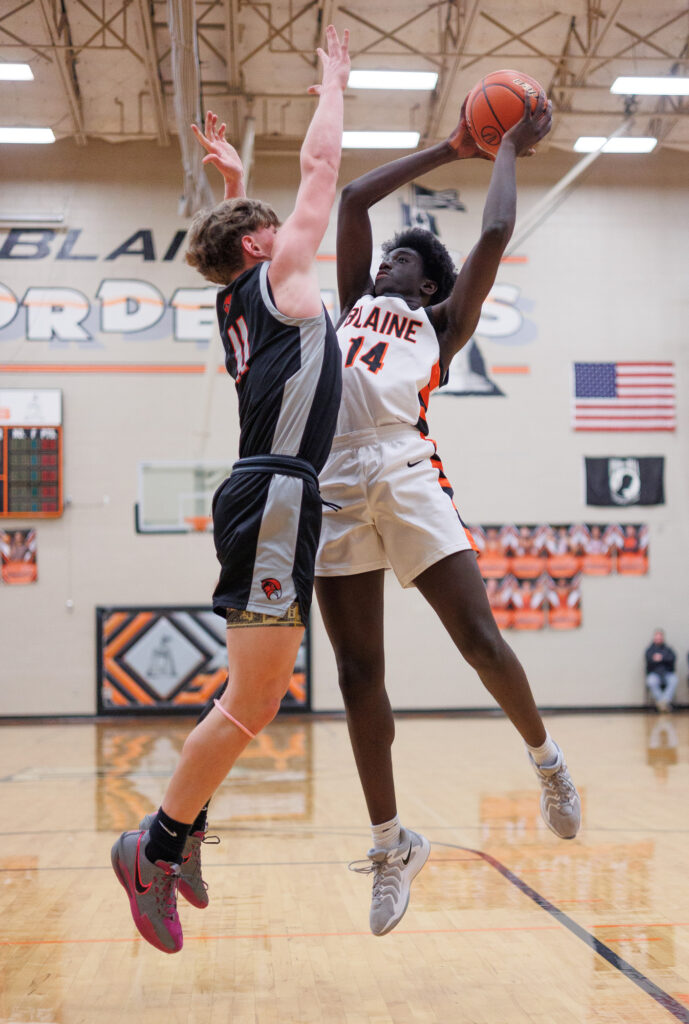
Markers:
241,617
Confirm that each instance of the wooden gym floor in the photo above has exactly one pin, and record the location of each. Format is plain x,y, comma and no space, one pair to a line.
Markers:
506,925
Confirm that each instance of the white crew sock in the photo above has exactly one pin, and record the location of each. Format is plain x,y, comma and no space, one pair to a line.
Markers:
386,836
545,755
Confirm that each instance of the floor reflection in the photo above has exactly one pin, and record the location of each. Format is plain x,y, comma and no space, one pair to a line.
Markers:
273,778
662,744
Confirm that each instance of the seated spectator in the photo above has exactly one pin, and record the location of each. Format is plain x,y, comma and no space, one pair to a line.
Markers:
661,678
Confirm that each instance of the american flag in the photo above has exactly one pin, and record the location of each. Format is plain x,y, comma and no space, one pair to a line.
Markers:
624,396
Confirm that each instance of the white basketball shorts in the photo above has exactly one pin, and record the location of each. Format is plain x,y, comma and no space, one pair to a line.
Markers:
395,506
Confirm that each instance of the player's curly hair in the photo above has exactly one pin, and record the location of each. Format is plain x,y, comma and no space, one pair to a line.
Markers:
214,245
437,262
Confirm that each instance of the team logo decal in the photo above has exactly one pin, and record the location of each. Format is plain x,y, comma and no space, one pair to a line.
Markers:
226,303
272,588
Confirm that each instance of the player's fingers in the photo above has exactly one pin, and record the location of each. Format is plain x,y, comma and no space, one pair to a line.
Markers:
314,90
541,104
221,131
212,158
323,56
345,43
333,41
526,116
200,136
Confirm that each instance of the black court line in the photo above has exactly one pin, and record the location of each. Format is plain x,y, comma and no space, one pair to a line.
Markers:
645,984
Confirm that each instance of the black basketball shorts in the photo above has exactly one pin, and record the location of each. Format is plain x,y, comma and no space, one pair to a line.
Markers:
266,525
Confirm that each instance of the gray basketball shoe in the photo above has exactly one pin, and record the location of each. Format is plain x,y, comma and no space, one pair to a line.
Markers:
191,883
560,803
152,891
393,872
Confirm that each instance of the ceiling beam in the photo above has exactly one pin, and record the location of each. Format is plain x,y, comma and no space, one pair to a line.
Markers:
66,65
392,34
446,83
153,72
279,31
234,75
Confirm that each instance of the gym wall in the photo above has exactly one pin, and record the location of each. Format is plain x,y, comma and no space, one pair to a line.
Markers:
601,279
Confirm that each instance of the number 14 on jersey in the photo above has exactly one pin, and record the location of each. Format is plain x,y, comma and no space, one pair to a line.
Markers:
373,357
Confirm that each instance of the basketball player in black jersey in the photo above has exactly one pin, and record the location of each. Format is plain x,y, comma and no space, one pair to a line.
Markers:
417,269
282,352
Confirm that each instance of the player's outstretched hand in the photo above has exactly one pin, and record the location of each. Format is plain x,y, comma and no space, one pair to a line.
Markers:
533,126
219,151
336,62
463,142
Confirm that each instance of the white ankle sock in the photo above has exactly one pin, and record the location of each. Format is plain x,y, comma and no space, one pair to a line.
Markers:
547,753
386,836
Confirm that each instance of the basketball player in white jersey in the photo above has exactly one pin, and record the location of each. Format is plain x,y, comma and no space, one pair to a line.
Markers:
398,335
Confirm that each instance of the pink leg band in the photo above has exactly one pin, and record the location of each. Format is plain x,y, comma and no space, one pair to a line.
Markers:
249,733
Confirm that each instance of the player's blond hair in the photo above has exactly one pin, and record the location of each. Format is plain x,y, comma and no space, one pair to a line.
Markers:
214,245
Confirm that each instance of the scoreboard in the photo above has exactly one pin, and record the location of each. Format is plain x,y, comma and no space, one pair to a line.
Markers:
30,453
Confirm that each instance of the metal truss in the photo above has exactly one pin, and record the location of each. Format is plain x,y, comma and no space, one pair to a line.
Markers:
245,47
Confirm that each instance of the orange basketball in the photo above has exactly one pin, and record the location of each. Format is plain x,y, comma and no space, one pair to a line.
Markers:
496,103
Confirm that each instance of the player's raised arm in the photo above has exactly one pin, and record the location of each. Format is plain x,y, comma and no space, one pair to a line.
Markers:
292,272
354,238
456,318
222,155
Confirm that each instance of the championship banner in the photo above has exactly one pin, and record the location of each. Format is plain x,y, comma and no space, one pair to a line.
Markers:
153,660
625,480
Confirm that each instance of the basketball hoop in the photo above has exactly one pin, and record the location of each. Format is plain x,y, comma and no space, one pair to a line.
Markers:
198,524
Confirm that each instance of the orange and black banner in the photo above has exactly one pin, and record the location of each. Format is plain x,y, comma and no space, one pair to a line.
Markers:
18,556
154,660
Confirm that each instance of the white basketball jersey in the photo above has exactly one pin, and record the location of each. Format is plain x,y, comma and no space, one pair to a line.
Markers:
390,365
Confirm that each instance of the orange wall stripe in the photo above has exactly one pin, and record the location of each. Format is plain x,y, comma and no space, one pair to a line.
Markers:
134,627
112,623
510,369
103,368
129,684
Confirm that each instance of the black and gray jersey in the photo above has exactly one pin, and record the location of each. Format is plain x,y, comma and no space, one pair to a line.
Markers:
286,370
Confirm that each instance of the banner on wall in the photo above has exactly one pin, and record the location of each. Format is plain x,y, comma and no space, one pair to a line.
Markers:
533,572
19,556
625,480
172,660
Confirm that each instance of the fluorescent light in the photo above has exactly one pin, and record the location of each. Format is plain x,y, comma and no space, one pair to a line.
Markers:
31,218
26,135
15,73
622,144
669,86
360,79
380,140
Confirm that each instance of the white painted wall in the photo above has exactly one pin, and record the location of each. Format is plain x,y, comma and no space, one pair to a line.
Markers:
605,279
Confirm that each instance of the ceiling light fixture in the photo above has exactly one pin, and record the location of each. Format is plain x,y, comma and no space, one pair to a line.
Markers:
380,140
621,144
15,73
31,218
633,86
27,135
361,79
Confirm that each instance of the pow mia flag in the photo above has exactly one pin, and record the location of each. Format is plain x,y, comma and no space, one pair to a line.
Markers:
625,480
